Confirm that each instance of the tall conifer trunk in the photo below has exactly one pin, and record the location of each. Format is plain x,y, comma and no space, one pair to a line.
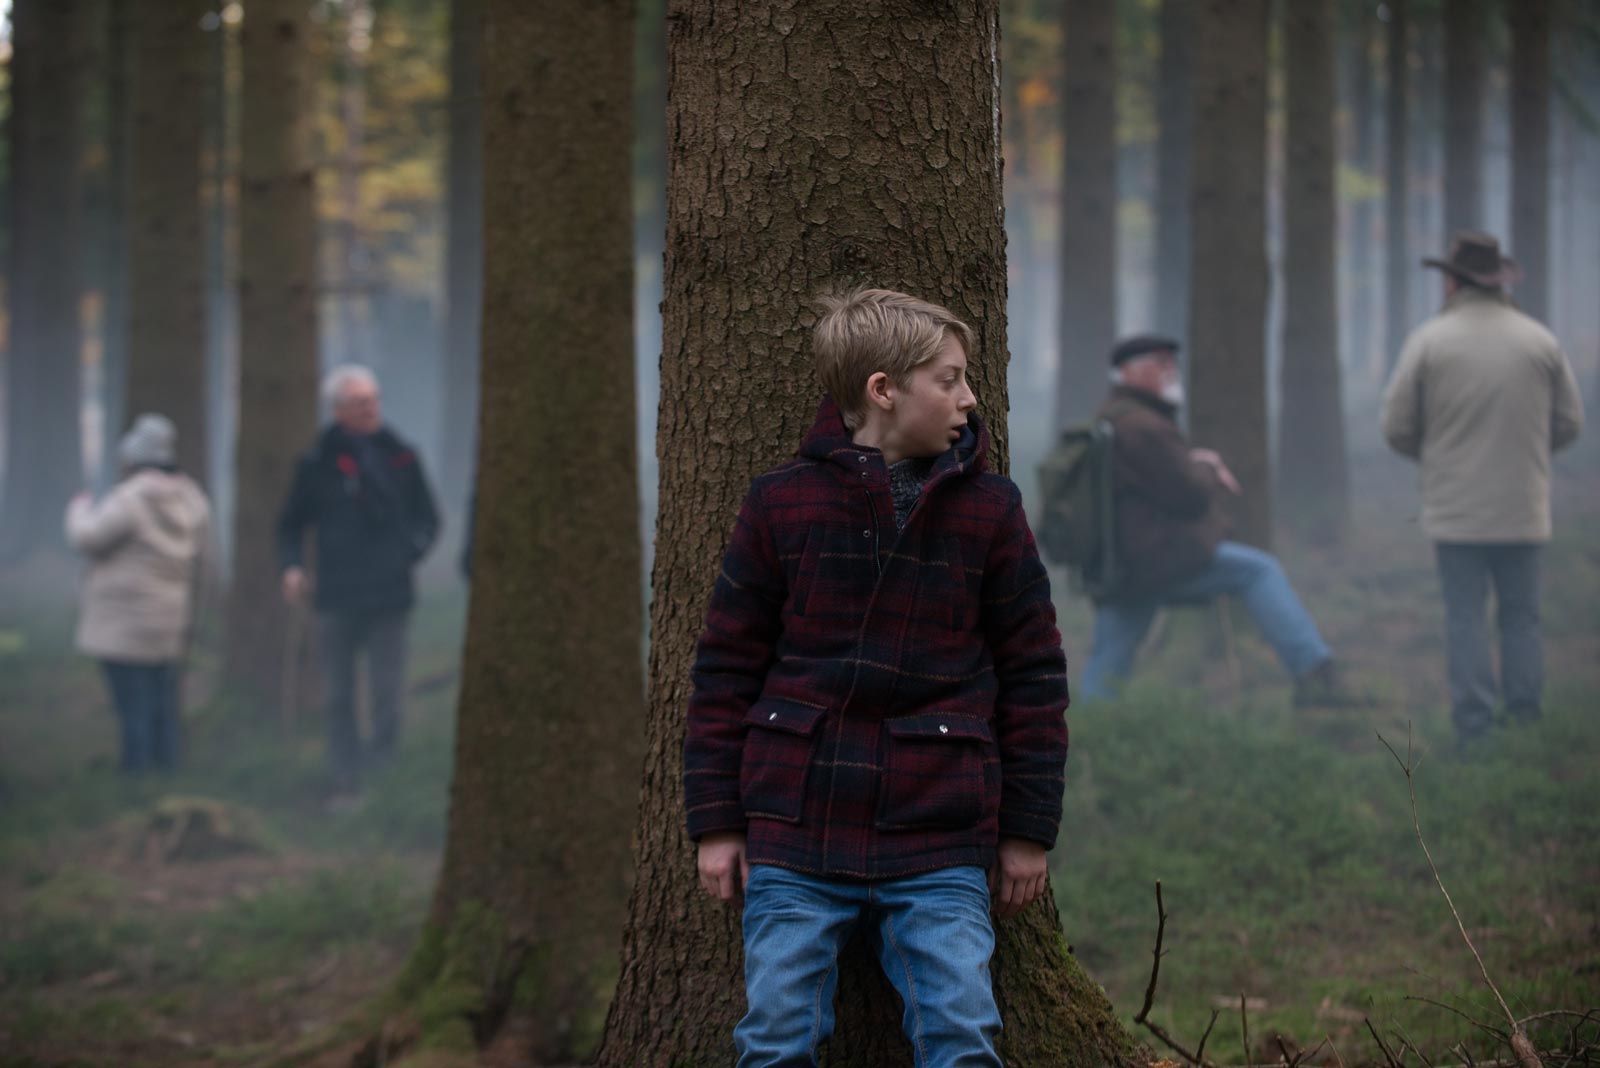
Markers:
44,275
166,232
549,733
278,364
1173,152
1228,273
1465,70
1397,210
810,147
1088,207
1530,151
1313,479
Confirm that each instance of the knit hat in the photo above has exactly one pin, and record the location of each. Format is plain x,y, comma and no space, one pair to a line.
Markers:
152,441
1141,345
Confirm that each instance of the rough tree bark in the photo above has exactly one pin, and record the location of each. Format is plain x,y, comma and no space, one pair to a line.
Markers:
1088,207
1173,154
521,940
1313,477
1530,151
277,324
166,245
112,237
44,273
1360,270
463,256
1465,68
1228,264
1397,213
810,146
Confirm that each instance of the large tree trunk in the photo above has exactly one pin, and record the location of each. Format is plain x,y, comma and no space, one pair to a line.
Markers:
1530,151
1173,154
533,886
44,452
1313,479
1427,149
816,148
166,243
278,324
463,257
1465,69
1228,265
1397,214
1088,207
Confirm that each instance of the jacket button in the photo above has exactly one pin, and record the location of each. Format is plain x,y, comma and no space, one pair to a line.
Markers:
861,459
773,716
866,533
943,729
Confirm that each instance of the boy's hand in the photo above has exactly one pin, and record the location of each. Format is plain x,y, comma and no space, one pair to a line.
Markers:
723,867
1017,876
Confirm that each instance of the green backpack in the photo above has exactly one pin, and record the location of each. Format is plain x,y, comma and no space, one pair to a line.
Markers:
1079,529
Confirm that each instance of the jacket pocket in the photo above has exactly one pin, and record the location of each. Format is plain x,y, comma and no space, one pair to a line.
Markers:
779,744
933,775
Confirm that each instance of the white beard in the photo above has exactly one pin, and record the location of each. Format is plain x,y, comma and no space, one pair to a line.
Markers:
1173,392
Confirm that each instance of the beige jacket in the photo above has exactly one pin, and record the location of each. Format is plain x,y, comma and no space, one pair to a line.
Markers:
1481,397
144,541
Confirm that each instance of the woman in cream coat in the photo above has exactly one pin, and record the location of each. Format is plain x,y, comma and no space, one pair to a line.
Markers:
143,541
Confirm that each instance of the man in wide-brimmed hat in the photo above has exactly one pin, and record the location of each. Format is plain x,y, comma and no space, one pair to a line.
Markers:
1481,397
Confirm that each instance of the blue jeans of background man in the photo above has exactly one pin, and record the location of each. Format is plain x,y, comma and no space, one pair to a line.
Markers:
1255,577
930,932
146,700
1465,572
346,636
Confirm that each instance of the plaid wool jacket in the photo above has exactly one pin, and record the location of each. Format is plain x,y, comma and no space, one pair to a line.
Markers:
871,703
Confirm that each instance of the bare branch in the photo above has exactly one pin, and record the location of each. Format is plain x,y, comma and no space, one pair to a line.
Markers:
1155,963
1336,1058
1502,1035
1382,1046
1244,1026
1200,1052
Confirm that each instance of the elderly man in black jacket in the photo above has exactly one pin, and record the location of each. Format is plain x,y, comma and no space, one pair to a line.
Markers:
364,491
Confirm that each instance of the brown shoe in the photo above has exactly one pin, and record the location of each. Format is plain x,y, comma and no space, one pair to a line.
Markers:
1324,686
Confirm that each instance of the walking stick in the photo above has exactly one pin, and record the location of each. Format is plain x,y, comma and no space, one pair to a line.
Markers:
289,675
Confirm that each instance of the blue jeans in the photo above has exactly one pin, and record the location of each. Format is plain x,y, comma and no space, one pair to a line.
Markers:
1255,577
146,699
931,934
1465,572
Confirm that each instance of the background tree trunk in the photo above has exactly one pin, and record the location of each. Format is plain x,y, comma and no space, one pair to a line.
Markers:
1530,151
463,257
533,888
44,451
1397,214
166,244
1173,154
1228,273
1313,480
807,148
1465,70
1361,264
1088,207
112,239
278,365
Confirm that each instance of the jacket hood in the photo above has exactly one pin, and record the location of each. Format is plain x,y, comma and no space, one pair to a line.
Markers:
828,440
175,508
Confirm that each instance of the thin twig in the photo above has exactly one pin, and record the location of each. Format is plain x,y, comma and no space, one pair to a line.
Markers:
1406,1038
1383,1046
1200,1051
1336,1058
1155,963
1411,788
1244,1026
1490,1028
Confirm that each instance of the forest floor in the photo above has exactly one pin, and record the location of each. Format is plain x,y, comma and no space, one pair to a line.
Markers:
1290,869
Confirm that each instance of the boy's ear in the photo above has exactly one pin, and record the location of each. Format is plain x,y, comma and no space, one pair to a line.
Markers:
878,391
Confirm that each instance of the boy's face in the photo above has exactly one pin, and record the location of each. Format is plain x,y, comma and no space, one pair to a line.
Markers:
930,413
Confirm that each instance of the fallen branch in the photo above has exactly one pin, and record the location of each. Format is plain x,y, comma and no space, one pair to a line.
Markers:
1197,1057
1527,1056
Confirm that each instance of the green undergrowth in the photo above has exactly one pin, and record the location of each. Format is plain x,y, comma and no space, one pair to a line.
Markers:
1291,870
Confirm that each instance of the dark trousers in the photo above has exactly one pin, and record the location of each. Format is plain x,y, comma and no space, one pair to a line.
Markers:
146,700
345,638
1466,572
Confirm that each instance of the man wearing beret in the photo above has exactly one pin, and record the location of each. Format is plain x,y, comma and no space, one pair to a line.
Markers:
1172,539
1481,396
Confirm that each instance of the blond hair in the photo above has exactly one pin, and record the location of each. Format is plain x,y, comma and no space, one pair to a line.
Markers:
866,331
